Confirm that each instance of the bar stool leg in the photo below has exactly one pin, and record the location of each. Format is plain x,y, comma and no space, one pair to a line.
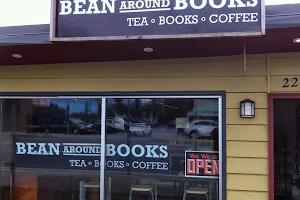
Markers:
184,196
155,187
206,196
152,195
130,195
210,184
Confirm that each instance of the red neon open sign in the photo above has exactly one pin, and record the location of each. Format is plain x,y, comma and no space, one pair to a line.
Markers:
202,164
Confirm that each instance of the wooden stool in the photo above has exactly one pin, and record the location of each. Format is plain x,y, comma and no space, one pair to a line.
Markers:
84,185
197,191
141,188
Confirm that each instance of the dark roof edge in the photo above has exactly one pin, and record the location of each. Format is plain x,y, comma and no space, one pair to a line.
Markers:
24,30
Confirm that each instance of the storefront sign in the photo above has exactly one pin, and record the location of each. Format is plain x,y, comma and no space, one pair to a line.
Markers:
201,164
83,153
153,19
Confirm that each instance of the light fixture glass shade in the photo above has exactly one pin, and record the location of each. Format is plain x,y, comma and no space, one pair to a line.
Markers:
247,108
297,40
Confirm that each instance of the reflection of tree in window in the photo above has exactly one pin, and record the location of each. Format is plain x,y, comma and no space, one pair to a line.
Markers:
137,107
52,110
87,108
119,106
148,109
155,108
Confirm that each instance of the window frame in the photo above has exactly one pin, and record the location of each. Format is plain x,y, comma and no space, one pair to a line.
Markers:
220,95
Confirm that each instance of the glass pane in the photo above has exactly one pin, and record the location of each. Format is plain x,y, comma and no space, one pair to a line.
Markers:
165,147
50,149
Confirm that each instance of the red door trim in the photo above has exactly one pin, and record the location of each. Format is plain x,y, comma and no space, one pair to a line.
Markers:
271,98
271,146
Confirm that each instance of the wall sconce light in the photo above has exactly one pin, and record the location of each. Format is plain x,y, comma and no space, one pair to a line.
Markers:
247,108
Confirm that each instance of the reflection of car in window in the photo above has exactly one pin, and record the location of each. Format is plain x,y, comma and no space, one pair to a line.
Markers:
57,124
139,120
201,129
118,123
96,125
140,129
77,126
152,121
92,121
76,120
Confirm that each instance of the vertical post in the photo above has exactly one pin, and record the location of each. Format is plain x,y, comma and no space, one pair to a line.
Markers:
109,188
128,135
12,162
220,150
81,191
163,111
1,132
68,116
103,153
268,72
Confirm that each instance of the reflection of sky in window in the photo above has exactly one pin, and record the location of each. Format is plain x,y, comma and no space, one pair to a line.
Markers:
76,105
125,101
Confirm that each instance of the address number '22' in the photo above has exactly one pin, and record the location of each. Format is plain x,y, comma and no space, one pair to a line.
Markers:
290,82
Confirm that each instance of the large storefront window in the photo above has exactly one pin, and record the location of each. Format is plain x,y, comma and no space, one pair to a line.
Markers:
164,148
157,147
40,155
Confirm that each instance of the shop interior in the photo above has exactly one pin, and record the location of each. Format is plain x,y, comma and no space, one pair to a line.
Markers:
287,149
